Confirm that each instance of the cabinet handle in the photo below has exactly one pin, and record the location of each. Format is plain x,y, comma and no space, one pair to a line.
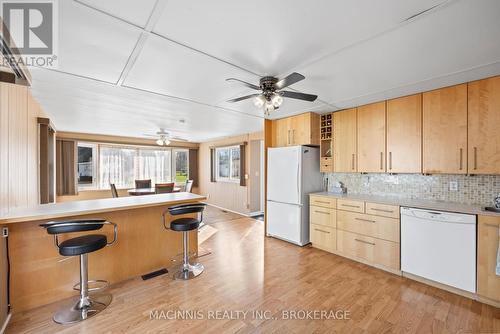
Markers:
461,159
382,210
365,242
381,160
350,206
353,157
293,136
365,220
390,160
322,231
475,157
323,202
323,212
288,138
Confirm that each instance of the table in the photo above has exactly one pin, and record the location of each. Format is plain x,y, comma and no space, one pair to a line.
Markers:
147,191
143,244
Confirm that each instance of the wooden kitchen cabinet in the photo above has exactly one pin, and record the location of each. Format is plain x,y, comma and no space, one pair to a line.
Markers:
344,143
296,130
483,126
488,283
445,130
371,138
404,134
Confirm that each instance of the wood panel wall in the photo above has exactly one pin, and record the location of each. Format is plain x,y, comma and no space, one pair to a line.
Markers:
18,147
227,195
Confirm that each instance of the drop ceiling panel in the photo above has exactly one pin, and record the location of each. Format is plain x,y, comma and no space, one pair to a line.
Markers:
168,68
274,37
82,105
459,37
92,44
136,12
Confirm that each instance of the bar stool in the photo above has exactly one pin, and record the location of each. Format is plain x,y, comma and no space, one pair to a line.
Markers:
83,306
184,225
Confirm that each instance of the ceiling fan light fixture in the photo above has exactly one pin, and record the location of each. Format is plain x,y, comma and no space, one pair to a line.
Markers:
276,100
159,142
166,142
268,108
259,101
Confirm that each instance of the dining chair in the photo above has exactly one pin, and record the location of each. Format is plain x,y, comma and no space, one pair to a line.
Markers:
141,184
189,186
164,188
114,192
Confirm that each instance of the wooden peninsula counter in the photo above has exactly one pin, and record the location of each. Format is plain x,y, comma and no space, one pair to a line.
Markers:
39,275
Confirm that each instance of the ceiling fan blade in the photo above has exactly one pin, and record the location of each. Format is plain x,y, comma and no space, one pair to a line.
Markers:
298,96
243,98
289,80
245,83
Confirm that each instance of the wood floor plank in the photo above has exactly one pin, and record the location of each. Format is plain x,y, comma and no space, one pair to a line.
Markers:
249,272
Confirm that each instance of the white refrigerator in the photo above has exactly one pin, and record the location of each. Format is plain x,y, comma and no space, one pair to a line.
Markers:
292,173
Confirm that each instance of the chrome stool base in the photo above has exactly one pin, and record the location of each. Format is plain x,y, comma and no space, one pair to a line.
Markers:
189,271
73,311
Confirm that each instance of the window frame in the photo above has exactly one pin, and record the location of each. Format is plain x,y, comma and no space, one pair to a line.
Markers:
96,166
229,179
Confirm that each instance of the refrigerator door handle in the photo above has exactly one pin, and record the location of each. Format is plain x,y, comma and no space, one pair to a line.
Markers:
298,183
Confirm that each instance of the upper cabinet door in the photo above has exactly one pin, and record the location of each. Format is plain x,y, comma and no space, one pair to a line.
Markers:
404,134
445,130
371,138
300,128
344,139
484,124
281,132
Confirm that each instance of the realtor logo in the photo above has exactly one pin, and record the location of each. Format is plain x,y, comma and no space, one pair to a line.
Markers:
32,27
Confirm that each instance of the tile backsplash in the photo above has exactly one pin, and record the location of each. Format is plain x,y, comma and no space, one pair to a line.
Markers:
479,189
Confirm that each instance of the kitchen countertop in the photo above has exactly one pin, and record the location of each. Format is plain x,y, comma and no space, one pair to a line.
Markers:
414,203
76,208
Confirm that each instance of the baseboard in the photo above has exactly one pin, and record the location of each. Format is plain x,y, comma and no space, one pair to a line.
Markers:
228,210
256,213
4,327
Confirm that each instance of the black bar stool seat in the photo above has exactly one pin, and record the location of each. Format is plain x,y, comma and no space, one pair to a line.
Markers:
184,224
85,305
82,245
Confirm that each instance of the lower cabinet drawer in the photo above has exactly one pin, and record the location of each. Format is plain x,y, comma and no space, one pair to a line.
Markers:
372,226
323,237
384,210
350,205
373,250
322,216
323,201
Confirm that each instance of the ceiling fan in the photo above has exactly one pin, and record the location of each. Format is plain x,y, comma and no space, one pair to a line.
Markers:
271,96
164,137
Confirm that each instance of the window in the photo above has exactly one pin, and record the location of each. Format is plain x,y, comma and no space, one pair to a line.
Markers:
181,165
86,165
122,165
228,163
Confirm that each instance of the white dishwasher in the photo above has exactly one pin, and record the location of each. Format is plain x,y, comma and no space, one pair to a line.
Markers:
440,246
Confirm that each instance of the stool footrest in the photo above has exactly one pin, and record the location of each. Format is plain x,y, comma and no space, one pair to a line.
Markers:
101,285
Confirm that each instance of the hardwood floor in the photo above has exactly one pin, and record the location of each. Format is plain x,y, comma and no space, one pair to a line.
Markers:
247,272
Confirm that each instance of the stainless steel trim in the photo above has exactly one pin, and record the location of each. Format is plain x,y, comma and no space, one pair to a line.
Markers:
382,210
365,242
365,220
327,232
475,157
461,158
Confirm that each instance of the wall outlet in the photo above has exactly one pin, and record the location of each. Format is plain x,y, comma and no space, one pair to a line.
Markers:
5,232
453,185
